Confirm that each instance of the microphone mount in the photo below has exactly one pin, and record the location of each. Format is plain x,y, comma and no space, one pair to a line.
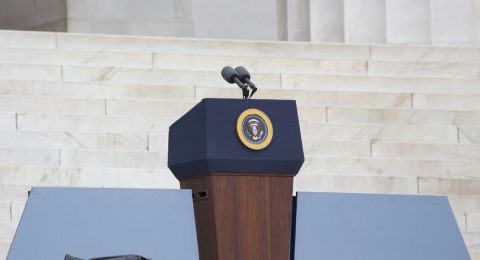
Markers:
241,77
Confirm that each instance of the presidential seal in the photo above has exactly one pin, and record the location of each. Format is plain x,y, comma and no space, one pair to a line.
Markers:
254,129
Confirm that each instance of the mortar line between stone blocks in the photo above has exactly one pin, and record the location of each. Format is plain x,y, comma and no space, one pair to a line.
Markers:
466,222
195,93
148,142
458,134
105,106
418,185
16,121
56,38
11,211
59,157
61,73
411,101
326,114
153,59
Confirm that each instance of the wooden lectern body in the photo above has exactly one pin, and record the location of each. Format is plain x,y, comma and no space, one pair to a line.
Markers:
239,158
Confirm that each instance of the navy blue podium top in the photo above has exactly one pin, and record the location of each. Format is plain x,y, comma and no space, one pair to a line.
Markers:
236,136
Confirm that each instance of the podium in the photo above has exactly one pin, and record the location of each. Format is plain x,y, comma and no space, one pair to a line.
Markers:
239,158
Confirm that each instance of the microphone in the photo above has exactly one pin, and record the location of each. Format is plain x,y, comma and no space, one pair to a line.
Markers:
244,76
231,76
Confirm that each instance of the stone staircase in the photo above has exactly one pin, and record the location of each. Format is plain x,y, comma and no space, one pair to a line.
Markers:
93,111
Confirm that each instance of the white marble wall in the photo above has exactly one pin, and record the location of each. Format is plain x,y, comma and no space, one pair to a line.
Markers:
298,20
231,19
407,21
453,22
364,21
138,17
326,21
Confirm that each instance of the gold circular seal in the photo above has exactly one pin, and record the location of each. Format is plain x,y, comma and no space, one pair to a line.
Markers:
254,129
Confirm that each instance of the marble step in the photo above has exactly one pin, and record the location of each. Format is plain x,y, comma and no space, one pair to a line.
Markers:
402,116
88,177
381,83
462,152
209,78
73,140
254,64
24,39
93,124
424,53
387,184
96,90
424,69
448,169
392,132
25,104
473,222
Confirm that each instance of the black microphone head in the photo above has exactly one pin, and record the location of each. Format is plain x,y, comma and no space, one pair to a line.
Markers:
229,74
242,73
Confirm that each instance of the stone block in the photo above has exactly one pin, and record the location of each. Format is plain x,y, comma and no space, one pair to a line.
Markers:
5,212
72,140
463,203
461,221
426,151
89,177
112,159
153,92
7,121
390,167
326,21
364,21
473,222
469,135
407,21
443,186
52,105
458,28
298,20
53,89
323,148
101,124
424,69
363,184
472,240
4,247
398,116
40,157
13,193
380,83
147,108
70,57
17,210
24,39
158,143
8,230
312,114
30,72
391,133
425,53
447,102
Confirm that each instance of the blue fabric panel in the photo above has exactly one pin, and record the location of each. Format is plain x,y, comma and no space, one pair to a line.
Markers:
158,224
376,227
